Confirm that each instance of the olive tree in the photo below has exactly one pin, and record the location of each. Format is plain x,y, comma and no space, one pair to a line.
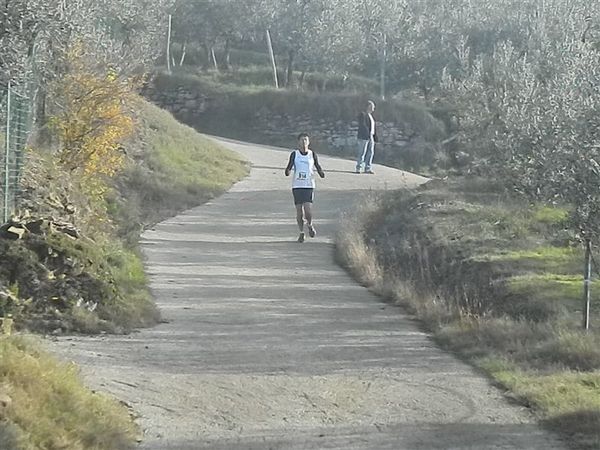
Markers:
30,31
534,107
126,35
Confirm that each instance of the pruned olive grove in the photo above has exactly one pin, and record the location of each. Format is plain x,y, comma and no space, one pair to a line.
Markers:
36,35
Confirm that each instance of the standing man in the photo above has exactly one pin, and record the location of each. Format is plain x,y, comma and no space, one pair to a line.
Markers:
367,137
304,162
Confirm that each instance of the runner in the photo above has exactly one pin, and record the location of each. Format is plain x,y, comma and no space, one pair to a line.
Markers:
304,162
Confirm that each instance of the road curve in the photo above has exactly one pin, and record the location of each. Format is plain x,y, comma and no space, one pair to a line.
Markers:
270,345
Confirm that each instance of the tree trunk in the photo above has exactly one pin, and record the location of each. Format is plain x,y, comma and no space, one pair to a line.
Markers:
227,60
44,135
207,49
3,25
324,85
301,79
289,74
214,58
424,90
183,52
382,67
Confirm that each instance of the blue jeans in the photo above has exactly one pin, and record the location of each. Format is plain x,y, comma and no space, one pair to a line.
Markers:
366,150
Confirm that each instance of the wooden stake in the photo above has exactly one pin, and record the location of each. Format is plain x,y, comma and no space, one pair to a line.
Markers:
272,55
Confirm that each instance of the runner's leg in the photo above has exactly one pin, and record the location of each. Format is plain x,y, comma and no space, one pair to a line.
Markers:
300,217
308,214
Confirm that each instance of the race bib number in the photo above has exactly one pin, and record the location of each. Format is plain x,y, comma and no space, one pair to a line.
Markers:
301,176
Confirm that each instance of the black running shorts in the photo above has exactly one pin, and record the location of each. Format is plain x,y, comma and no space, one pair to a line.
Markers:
302,195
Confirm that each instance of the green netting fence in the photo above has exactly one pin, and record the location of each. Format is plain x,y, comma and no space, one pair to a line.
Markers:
15,129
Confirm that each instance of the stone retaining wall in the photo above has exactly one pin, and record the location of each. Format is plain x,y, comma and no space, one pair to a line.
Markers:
336,136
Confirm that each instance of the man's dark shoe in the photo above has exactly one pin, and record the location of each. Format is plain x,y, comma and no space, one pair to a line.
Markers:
312,232
301,238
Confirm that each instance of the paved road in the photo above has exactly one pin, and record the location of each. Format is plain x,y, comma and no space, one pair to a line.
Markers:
270,345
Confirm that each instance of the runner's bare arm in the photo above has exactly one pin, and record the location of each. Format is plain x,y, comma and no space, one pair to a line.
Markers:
290,164
318,166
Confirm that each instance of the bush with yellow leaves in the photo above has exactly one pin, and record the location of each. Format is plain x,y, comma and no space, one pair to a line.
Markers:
94,119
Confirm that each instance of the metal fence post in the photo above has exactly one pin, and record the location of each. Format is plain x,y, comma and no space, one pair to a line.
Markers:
7,154
15,123
587,284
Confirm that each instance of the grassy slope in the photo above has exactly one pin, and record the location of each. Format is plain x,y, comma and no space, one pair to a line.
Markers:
497,281
172,168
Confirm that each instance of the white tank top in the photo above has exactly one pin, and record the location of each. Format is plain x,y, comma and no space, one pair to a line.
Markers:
304,170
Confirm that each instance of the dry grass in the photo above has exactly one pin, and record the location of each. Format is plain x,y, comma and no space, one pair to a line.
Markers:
356,256
47,406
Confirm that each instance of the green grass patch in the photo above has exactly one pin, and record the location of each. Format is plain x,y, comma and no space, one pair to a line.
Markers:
568,400
261,75
46,405
560,255
550,215
548,285
80,285
555,256
561,393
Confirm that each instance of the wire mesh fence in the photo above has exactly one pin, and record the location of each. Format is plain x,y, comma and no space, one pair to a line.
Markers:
15,128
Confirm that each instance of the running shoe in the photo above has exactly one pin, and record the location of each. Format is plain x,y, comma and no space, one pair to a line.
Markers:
311,231
301,238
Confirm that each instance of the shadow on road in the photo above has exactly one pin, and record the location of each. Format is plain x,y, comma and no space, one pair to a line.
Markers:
457,436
